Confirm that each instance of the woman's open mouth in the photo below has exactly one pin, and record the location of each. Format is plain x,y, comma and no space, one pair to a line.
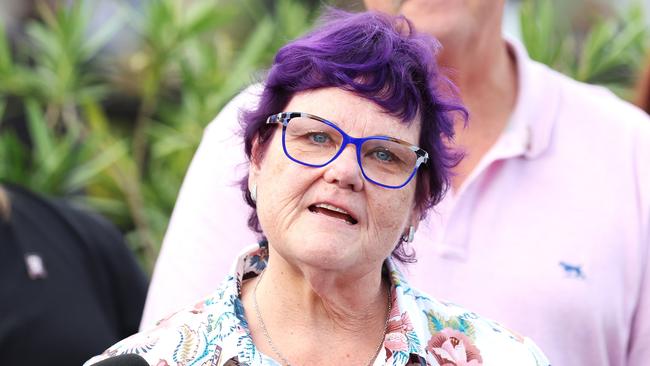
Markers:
333,211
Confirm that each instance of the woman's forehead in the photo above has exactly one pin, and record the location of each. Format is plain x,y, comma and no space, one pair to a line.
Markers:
356,115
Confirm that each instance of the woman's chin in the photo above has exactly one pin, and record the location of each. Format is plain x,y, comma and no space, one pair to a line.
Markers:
327,253
331,253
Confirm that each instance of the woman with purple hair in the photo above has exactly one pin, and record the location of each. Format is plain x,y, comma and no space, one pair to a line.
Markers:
347,152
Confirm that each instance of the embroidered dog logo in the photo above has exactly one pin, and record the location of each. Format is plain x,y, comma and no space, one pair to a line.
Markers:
570,270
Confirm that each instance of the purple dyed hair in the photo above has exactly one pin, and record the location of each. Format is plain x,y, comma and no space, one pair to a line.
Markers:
380,58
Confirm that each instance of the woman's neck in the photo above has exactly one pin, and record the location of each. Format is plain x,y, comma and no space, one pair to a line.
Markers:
309,316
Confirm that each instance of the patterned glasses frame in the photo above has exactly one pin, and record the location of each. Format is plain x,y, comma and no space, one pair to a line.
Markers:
285,117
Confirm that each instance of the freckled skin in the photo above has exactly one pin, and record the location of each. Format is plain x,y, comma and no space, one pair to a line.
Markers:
285,190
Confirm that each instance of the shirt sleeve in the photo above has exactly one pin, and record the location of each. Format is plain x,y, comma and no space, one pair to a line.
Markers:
639,344
208,227
639,350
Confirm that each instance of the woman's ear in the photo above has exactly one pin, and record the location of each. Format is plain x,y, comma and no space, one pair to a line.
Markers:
414,218
412,225
255,160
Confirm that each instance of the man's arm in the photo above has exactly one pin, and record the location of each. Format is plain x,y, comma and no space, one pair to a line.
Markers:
639,343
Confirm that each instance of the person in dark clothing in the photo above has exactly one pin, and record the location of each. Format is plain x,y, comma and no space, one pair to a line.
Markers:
69,286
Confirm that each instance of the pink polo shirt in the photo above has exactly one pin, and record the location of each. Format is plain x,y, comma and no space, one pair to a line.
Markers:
549,235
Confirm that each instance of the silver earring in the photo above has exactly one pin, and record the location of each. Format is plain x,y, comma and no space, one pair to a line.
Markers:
253,192
408,238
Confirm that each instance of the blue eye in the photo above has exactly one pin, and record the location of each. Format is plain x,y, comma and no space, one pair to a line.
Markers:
383,155
319,138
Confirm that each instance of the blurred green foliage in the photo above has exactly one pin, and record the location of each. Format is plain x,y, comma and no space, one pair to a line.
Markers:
108,110
115,129
589,42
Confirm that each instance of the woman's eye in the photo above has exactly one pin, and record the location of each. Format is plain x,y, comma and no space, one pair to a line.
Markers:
319,138
383,155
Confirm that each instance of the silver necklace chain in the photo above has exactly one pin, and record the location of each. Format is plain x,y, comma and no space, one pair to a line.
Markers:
275,349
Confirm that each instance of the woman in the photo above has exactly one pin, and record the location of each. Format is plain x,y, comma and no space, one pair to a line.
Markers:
347,155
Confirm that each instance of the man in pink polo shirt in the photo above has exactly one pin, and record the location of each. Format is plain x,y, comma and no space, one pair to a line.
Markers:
546,228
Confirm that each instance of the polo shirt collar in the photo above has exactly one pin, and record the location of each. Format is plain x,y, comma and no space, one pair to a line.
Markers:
528,132
529,129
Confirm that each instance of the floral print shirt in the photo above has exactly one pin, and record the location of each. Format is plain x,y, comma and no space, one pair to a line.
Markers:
421,331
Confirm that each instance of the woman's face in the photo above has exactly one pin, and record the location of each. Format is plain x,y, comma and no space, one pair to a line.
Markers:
331,218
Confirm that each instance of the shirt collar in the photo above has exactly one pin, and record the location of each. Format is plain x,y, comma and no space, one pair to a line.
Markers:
530,126
528,131
405,333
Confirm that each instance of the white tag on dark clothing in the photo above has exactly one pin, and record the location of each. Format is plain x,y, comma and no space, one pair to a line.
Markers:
35,266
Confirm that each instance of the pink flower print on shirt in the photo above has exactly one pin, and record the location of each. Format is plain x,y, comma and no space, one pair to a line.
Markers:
398,326
453,348
396,341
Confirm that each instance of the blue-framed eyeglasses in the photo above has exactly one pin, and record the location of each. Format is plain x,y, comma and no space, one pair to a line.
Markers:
315,142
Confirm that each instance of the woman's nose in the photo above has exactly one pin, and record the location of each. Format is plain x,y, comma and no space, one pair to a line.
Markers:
345,170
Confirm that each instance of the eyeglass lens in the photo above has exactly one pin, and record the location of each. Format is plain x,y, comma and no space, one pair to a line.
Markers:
313,142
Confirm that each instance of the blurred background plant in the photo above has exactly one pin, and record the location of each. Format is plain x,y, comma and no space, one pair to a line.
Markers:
104,102
591,41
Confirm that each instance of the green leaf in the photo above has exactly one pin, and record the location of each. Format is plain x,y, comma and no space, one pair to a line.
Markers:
203,16
3,107
299,15
170,141
13,159
6,62
46,47
47,14
95,116
114,207
105,33
81,175
255,46
42,138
